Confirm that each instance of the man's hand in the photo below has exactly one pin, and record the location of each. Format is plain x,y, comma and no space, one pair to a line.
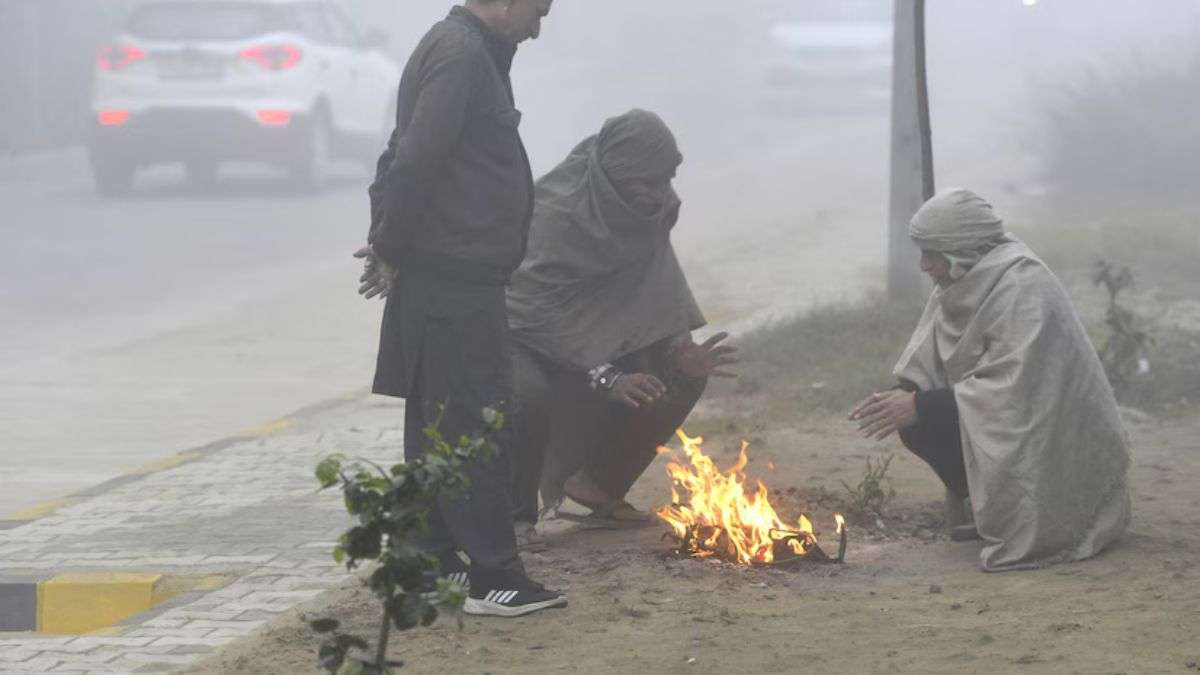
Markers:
637,390
706,360
378,278
882,414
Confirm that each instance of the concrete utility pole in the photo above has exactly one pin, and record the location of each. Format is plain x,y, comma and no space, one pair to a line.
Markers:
912,148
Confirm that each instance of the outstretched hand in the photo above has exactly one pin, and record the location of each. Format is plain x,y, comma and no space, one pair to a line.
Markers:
707,359
882,414
378,278
637,390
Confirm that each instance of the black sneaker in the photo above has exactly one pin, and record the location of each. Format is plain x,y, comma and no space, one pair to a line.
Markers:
453,569
507,593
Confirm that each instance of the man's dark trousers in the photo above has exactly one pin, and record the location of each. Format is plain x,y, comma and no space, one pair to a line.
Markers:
462,366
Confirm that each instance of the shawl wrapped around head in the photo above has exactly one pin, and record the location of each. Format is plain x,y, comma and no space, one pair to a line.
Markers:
961,226
600,278
1045,451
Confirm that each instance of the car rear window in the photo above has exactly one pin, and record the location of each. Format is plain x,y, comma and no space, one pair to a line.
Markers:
205,20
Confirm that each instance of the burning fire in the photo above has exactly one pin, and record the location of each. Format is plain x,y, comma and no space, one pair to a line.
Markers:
724,517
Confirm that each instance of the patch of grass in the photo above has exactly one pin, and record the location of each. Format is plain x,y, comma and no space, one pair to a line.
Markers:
1160,245
821,362
1173,384
824,361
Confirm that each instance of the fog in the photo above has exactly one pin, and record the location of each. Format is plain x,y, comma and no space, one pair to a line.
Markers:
140,325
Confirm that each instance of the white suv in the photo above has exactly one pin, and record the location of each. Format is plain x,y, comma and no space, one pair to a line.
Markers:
287,82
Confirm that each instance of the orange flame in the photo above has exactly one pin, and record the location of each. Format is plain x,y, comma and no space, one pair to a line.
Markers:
723,514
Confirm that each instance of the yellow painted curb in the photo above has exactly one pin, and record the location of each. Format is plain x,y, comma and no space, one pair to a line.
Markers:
164,464
272,428
71,604
44,509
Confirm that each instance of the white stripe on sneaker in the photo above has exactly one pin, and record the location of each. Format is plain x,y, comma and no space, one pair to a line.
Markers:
483,608
508,597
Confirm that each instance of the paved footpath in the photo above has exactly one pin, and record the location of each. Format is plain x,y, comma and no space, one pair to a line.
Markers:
246,508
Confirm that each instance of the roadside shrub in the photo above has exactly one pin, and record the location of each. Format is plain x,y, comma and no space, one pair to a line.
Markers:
1126,128
391,507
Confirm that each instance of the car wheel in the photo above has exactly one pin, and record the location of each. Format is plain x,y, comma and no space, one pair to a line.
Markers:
113,177
312,170
202,174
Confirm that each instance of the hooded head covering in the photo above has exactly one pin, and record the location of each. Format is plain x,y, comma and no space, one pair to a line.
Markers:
600,279
638,146
960,225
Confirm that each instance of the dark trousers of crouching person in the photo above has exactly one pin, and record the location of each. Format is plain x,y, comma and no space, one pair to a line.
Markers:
937,438
564,426
454,330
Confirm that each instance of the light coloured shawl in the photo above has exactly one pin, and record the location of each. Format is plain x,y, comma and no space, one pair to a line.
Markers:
960,225
1047,457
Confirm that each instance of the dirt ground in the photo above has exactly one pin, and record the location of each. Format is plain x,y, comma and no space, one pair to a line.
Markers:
906,600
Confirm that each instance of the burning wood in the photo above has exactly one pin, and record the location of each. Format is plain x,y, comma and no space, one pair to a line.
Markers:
722,517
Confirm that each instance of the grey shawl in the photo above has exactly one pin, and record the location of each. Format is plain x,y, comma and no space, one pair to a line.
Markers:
600,279
1046,455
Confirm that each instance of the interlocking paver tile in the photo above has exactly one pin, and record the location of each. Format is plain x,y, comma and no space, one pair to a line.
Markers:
249,510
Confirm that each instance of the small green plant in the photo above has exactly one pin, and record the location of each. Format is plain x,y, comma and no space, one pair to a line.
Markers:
1123,352
391,508
874,492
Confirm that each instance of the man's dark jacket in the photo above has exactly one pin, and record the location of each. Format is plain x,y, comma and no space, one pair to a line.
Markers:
455,179
453,193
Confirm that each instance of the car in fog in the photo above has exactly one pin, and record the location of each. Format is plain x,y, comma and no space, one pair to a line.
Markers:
831,58
291,83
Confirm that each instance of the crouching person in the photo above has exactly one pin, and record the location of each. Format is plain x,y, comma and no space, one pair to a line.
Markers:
601,319
1002,393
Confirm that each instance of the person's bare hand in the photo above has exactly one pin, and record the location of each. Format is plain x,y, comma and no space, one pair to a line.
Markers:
378,278
882,414
637,390
707,359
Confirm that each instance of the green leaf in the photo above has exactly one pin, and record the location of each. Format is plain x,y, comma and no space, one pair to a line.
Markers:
328,471
378,581
363,543
451,595
339,554
361,499
379,484
407,611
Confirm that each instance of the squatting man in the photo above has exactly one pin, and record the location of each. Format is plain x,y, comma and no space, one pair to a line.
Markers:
1002,394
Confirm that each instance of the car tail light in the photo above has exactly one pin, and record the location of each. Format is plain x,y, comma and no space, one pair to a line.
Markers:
274,118
112,118
118,57
273,57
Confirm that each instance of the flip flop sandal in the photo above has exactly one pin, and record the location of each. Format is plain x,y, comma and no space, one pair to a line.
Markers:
627,513
591,521
615,516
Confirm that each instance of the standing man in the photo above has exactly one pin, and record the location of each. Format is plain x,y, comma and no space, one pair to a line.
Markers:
450,212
